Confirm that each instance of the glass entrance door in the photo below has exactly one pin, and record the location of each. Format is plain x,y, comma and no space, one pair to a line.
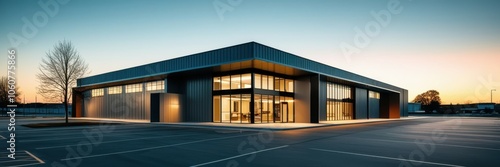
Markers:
284,111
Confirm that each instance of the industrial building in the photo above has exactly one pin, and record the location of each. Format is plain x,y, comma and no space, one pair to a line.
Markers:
246,83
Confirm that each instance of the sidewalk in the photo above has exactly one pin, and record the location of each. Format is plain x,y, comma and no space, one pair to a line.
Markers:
276,126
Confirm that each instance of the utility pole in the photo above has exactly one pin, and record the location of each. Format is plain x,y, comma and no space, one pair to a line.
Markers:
491,94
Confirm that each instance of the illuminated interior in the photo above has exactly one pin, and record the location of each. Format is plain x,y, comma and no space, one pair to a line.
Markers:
339,104
230,107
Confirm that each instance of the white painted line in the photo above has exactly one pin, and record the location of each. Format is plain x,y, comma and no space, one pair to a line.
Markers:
448,145
382,157
413,136
116,141
38,159
157,147
448,133
225,159
2,137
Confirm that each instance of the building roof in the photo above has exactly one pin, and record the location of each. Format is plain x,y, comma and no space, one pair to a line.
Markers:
251,51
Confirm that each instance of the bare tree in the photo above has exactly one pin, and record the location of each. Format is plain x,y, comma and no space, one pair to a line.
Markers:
4,92
59,71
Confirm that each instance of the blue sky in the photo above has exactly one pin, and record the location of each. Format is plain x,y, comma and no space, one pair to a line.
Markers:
448,45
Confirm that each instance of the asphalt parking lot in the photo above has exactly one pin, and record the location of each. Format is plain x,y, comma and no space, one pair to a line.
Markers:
437,141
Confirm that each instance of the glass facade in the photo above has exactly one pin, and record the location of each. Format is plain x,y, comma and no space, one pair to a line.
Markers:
268,82
155,85
231,82
115,90
231,107
133,88
269,109
97,92
374,95
339,102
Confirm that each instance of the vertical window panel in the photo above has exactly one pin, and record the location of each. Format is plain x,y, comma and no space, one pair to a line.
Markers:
246,81
225,82
235,81
217,83
258,81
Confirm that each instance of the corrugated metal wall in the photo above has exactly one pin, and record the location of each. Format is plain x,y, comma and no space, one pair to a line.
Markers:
374,108
198,99
206,59
322,101
266,53
404,103
361,103
118,106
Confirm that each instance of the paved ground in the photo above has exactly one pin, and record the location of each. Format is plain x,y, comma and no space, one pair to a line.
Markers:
435,141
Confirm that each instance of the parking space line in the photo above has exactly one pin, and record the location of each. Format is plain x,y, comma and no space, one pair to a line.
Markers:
449,145
448,133
35,157
116,141
382,157
2,137
455,138
157,147
242,155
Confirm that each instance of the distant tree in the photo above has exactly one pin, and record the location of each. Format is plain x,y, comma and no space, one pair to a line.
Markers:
430,101
4,92
59,71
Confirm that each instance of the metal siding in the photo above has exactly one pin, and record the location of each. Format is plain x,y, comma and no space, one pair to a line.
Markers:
266,53
374,108
361,102
315,98
195,61
198,99
322,101
404,103
117,106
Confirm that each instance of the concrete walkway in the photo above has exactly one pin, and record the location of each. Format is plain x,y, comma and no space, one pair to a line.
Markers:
246,126
278,126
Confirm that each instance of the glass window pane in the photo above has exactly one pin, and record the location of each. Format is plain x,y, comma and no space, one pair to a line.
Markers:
226,108
245,108
216,109
225,82
217,83
291,110
258,81
236,82
277,84
236,108
264,82
246,81
257,108
270,80
282,84
289,85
